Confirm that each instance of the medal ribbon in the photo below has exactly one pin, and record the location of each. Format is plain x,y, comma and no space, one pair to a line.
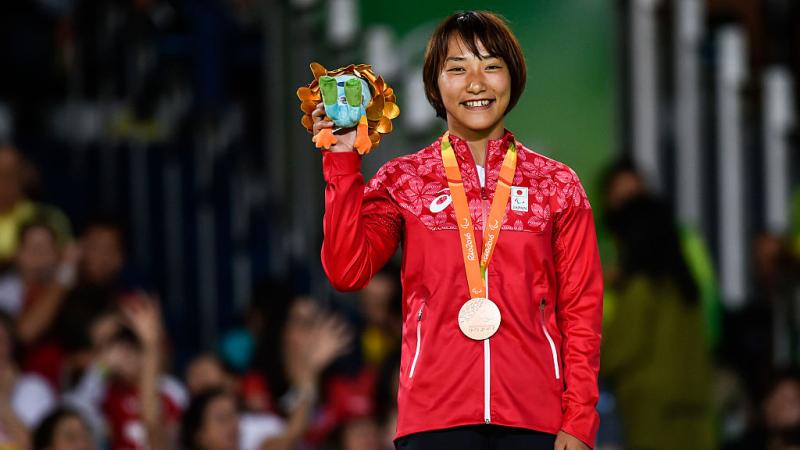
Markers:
476,272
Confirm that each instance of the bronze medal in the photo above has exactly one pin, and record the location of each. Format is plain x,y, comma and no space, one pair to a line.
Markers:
479,318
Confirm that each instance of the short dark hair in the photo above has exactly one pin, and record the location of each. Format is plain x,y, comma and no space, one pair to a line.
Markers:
193,418
45,431
473,26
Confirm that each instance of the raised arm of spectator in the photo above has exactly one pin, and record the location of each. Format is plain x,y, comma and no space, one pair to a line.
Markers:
143,315
329,339
17,433
37,319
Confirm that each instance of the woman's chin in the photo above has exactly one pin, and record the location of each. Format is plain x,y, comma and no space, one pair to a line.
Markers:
481,125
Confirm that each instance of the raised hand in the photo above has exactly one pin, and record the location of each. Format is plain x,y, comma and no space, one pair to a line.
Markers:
144,318
326,338
330,339
345,141
67,272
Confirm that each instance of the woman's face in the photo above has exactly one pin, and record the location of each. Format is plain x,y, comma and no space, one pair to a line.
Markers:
205,372
37,255
302,320
71,434
361,434
625,186
220,430
102,257
465,79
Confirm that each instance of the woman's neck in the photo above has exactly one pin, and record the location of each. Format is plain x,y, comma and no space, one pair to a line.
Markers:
477,139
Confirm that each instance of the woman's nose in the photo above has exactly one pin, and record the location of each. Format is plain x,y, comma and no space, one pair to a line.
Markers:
475,83
475,87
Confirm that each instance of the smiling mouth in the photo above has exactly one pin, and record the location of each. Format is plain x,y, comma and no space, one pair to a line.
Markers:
477,105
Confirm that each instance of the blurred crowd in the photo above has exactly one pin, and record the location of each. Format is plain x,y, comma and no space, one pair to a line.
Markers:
85,359
678,369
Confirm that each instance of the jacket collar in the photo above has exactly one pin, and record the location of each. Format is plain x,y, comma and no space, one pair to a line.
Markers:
495,152
495,147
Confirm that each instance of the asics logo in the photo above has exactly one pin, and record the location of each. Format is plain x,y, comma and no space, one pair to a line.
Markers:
441,202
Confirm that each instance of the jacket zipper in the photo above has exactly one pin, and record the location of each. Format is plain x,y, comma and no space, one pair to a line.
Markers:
419,340
549,340
487,374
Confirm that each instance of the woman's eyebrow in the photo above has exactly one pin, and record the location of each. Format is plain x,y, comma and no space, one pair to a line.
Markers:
463,58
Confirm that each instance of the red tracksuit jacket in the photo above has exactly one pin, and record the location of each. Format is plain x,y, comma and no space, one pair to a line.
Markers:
539,371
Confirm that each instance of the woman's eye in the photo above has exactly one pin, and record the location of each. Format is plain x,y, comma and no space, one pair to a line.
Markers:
455,69
493,67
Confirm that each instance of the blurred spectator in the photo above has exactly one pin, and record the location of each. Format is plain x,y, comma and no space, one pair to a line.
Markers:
24,398
263,322
299,341
103,253
134,364
205,372
386,386
34,267
362,433
380,306
291,356
16,208
88,283
781,410
211,422
623,182
63,429
777,274
125,388
654,350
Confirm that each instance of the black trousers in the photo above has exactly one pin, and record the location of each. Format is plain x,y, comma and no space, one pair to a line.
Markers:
478,437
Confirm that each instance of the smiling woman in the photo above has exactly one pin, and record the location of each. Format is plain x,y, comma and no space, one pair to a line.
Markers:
510,367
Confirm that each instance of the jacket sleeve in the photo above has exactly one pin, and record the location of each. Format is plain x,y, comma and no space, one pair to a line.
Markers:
361,227
579,313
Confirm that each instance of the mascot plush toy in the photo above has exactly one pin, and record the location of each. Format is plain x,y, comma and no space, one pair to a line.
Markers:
353,97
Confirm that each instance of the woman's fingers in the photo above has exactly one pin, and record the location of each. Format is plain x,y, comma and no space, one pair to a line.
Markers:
322,124
318,115
319,111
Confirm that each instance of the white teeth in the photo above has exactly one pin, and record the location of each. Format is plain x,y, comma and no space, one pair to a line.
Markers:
476,103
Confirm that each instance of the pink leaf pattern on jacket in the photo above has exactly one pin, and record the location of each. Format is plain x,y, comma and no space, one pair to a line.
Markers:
542,189
540,217
418,195
416,181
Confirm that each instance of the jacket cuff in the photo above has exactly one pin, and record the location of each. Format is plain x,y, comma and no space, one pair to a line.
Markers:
340,163
582,422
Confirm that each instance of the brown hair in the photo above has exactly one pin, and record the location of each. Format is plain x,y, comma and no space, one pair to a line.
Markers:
473,26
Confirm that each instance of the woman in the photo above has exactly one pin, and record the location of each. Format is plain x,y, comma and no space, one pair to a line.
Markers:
211,422
63,429
300,341
518,370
